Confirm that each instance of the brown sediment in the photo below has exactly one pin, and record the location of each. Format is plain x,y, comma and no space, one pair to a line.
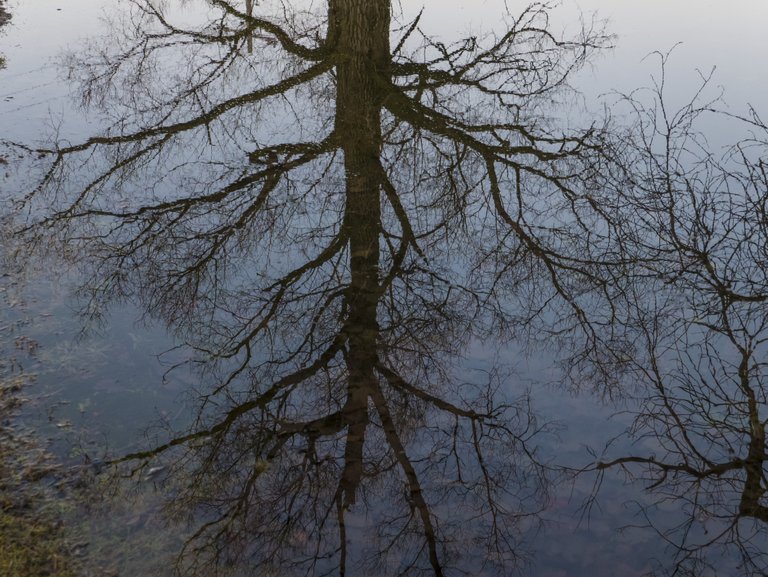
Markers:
32,542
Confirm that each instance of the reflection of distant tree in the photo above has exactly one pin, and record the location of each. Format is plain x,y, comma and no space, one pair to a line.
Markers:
698,312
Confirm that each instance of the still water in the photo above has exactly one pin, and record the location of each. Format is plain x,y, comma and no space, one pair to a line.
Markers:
307,377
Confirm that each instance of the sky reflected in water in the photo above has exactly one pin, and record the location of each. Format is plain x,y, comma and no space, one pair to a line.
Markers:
391,405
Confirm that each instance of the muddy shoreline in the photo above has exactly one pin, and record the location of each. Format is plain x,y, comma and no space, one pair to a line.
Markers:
33,540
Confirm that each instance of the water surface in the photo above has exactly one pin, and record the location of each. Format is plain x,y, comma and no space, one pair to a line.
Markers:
346,401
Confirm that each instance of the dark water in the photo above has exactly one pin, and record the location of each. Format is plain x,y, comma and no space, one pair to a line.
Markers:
263,360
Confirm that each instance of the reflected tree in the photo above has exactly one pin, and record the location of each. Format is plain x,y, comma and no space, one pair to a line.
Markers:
699,316
331,206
